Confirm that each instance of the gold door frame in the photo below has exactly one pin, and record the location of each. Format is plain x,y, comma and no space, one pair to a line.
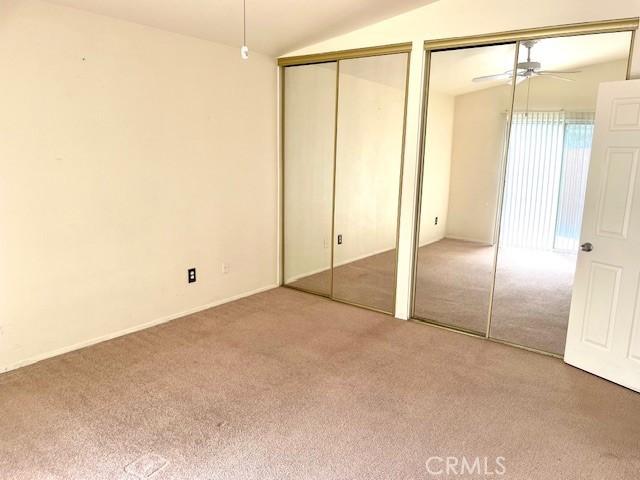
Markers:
336,57
516,37
345,54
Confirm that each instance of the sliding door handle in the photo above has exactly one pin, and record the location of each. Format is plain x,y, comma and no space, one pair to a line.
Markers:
586,247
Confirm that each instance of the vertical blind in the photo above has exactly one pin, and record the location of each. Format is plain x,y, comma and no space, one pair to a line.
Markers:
578,134
546,176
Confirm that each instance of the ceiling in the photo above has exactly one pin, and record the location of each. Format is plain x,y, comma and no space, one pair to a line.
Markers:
452,71
274,27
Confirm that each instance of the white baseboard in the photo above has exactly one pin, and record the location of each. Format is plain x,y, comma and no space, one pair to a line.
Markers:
360,257
350,260
126,331
304,275
433,240
468,239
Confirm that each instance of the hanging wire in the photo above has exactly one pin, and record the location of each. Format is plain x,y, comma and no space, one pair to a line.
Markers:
244,50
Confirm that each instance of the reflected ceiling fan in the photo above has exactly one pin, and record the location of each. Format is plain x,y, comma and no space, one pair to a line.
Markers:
527,70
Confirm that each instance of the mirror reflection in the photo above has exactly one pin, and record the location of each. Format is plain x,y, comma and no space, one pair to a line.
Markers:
371,106
343,137
309,127
468,104
545,183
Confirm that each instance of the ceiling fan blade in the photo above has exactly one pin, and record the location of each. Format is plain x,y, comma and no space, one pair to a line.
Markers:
488,78
521,78
550,75
559,71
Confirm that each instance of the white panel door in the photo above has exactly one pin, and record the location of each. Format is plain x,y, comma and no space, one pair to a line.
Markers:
604,325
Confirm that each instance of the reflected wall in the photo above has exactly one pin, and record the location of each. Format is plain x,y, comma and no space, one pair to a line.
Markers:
342,145
308,147
371,107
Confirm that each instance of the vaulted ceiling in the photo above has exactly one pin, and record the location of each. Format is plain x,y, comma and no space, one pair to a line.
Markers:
274,27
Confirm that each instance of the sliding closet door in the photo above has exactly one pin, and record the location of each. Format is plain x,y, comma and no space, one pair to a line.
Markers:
469,101
371,106
546,177
309,129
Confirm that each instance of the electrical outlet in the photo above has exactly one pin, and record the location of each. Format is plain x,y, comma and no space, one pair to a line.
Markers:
226,268
191,275
325,243
435,222
340,239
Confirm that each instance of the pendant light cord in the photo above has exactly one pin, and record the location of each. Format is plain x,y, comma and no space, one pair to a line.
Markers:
244,22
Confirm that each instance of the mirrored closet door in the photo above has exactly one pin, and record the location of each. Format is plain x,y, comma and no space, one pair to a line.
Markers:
506,157
466,125
546,179
371,106
343,138
309,140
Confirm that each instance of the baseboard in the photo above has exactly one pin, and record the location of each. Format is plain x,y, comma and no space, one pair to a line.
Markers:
429,242
467,239
345,262
366,255
126,331
304,275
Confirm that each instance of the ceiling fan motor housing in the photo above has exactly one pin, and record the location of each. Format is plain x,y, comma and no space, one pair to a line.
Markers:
529,65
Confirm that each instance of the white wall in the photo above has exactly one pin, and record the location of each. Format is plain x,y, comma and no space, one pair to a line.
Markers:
437,167
368,154
128,155
578,96
478,145
455,18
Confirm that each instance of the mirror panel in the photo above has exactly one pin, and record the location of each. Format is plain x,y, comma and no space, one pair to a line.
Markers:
545,182
309,129
371,107
468,108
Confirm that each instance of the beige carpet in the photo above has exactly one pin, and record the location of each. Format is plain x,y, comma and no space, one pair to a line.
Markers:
287,385
453,285
532,298
369,281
